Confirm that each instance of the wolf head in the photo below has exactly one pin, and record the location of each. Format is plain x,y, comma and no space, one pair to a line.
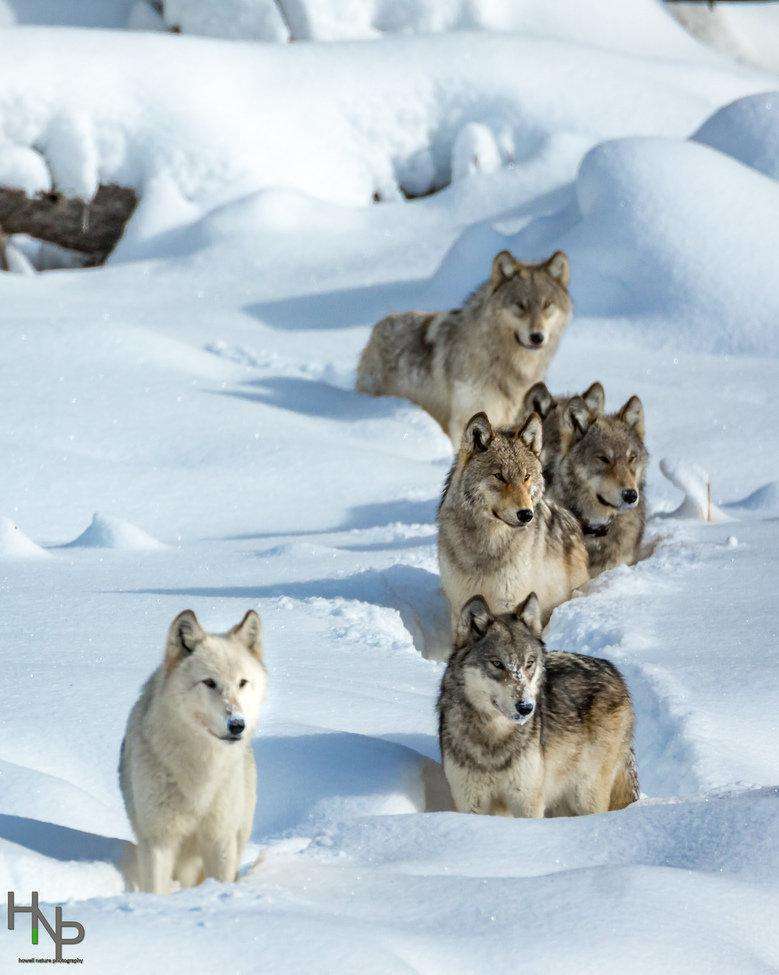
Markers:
215,682
604,467
500,471
558,429
501,658
528,303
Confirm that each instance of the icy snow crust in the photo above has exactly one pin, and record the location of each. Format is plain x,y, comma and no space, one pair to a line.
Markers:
200,386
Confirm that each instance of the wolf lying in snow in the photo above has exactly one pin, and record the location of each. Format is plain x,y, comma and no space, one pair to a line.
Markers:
187,770
481,357
497,534
528,733
594,465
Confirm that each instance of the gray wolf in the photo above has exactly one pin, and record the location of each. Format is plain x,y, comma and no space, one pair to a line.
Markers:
187,771
558,429
600,479
497,533
481,357
525,732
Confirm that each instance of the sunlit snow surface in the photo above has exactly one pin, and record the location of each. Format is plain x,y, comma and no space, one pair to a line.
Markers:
196,392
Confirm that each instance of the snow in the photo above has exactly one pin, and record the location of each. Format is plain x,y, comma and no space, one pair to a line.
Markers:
107,532
14,544
256,20
748,131
199,388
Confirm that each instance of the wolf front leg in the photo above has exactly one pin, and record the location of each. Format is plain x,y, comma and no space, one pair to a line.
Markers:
155,867
220,857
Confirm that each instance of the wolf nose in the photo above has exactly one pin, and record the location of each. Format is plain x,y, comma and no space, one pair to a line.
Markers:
235,726
537,338
524,708
630,496
524,515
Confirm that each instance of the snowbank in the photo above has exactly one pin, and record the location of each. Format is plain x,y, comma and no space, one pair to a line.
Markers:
747,130
286,119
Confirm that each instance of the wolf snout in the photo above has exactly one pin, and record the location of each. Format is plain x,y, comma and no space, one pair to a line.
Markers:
630,496
524,515
524,708
236,726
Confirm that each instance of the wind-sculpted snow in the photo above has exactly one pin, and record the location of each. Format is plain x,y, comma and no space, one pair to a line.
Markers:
200,388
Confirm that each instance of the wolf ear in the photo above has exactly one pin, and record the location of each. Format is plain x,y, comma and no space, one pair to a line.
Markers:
184,635
503,267
478,433
529,613
531,434
539,400
632,413
578,415
475,618
595,399
249,633
557,267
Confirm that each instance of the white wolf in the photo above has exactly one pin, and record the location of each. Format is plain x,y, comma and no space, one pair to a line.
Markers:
187,770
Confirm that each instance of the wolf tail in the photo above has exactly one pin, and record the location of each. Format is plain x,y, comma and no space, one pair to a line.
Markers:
625,788
370,369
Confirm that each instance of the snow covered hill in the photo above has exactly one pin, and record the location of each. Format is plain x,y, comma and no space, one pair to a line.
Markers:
197,392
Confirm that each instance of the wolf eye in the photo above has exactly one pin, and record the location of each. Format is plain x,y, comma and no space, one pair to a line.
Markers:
497,664
522,306
527,478
501,478
243,682
631,457
210,683
529,665
604,459
547,303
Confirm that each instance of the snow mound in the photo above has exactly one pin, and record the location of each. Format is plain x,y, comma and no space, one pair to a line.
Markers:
695,482
651,236
747,130
764,500
106,532
14,544
7,18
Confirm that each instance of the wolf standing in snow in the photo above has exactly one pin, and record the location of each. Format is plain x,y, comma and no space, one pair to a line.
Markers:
481,357
187,770
496,532
528,733
600,479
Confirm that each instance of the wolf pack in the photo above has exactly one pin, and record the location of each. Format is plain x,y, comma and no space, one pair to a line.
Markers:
546,491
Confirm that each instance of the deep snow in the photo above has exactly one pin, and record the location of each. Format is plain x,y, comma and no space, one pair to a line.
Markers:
197,393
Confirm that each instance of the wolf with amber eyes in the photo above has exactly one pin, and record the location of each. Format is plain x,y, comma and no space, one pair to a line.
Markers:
528,733
497,533
482,356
